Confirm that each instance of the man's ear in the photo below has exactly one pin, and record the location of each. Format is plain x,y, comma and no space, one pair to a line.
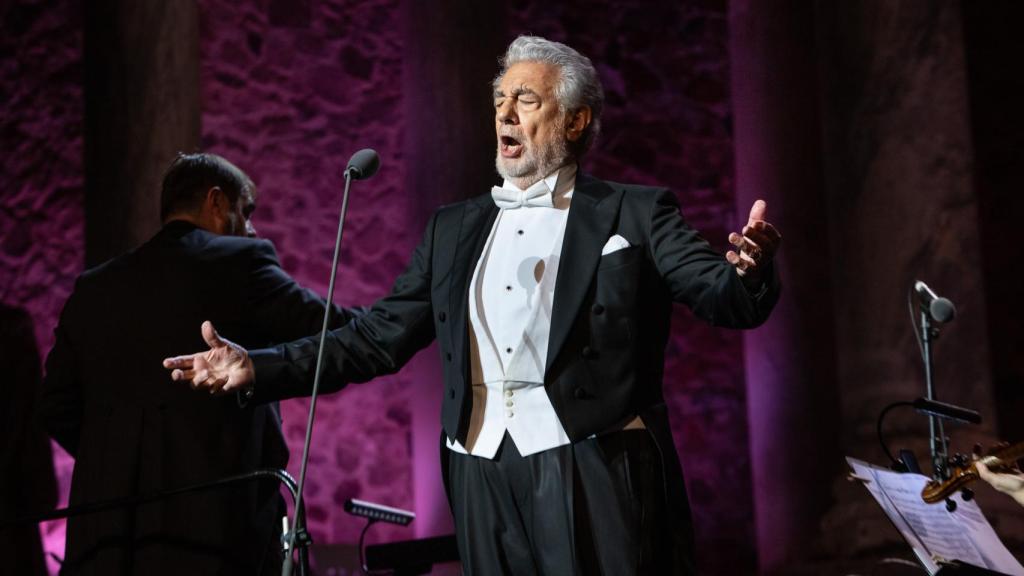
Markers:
216,199
214,210
578,122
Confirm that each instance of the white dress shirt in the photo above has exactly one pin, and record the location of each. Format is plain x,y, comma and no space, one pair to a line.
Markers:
511,294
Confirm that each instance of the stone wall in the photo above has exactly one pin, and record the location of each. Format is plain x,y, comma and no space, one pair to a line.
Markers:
289,91
42,227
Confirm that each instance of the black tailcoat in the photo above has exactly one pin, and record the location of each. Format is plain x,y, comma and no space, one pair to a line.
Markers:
609,326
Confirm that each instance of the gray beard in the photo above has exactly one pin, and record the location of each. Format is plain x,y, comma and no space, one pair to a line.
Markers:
532,167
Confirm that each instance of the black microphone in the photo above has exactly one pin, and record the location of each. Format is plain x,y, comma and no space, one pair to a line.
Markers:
940,309
948,411
363,164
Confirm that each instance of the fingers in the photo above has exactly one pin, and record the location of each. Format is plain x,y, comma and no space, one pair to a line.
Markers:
762,234
983,471
748,248
1009,483
741,261
757,211
213,340
179,362
205,380
179,375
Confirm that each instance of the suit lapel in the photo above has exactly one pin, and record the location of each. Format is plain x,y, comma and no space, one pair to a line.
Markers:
477,221
592,215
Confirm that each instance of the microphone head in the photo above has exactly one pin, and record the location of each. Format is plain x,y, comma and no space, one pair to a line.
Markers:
363,164
942,310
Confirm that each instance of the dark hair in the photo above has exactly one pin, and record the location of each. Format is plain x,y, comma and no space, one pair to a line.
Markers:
189,177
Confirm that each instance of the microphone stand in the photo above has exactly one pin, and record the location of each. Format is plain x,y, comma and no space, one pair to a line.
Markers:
298,535
939,450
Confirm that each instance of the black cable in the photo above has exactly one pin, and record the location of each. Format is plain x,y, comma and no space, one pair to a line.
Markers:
362,557
878,428
913,320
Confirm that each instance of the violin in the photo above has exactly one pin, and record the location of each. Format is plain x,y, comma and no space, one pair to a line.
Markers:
963,472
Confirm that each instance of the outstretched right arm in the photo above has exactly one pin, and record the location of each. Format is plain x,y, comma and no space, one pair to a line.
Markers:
378,342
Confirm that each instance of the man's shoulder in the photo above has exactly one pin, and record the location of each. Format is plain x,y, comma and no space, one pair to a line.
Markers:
201,246
228,245
458,208
164,249
637,197
639,190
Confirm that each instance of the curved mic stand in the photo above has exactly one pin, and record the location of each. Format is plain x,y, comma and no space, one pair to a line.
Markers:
281,476
362,165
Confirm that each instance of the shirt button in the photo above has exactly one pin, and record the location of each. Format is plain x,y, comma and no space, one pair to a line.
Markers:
508,350
509,414
509,288
508,393
509,403
520,232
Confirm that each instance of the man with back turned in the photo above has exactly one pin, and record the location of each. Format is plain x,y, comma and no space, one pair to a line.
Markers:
108,403
550,299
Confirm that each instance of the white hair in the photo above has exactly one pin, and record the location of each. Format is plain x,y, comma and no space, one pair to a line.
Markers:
578,85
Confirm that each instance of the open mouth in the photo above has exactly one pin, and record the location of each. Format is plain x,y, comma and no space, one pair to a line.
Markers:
509,147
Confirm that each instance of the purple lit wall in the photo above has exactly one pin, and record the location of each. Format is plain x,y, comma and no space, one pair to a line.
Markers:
42,244
289,91
712,98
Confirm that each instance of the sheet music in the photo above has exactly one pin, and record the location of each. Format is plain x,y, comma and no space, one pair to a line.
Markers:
934,533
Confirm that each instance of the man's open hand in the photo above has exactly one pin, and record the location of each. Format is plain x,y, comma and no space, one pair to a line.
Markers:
224,368
756,245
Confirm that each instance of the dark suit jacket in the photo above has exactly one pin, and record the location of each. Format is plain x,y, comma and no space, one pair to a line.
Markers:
108,401
609,327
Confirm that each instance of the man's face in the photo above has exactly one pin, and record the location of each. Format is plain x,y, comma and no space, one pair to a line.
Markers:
529,125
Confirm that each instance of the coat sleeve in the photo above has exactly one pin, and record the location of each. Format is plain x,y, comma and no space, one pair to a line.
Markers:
700,277
278,308
378,342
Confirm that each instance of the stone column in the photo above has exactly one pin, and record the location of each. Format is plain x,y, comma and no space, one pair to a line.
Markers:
451,56
141,107
790,362
901,206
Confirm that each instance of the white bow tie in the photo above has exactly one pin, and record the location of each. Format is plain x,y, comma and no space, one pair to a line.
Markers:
538,195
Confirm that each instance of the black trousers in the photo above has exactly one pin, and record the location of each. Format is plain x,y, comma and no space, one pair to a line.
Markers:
596,507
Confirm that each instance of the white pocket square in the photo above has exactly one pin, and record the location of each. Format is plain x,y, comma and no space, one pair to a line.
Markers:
614,244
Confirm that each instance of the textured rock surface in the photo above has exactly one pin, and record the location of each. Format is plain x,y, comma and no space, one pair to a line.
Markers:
42,246
289,92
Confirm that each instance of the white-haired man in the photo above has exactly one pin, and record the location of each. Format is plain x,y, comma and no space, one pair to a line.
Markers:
550,299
